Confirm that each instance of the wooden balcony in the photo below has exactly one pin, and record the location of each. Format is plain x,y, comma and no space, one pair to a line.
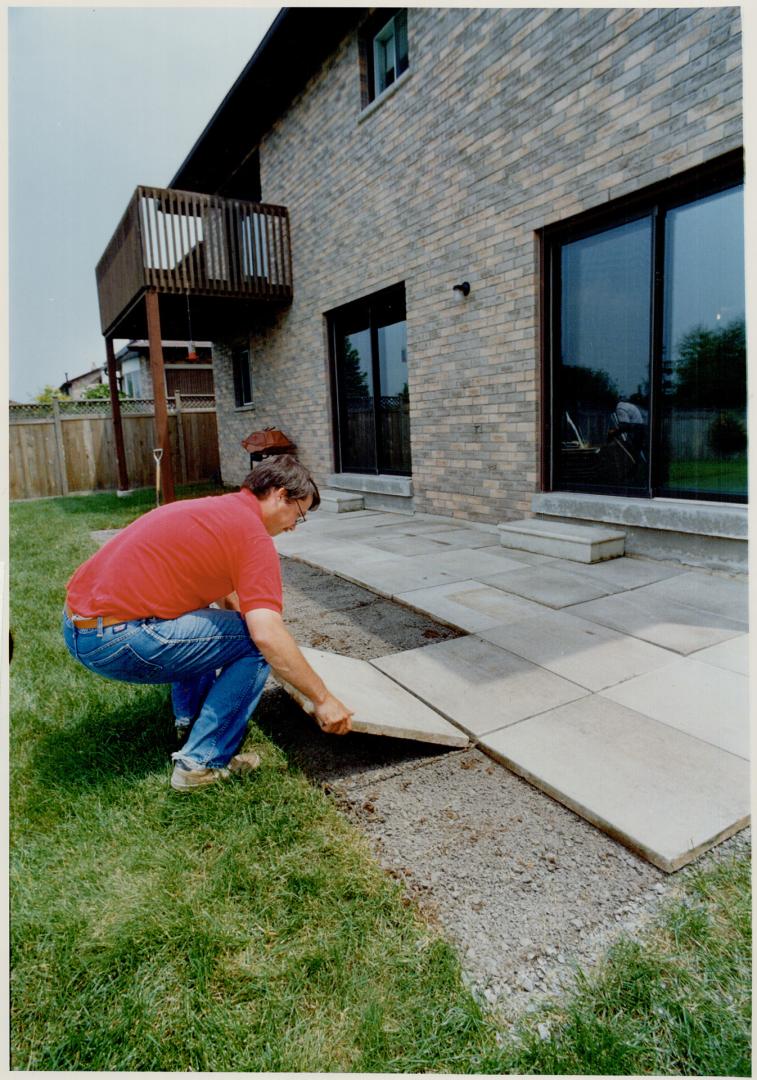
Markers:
213,262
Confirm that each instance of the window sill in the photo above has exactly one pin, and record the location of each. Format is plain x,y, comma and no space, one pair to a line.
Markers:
245,408
390,91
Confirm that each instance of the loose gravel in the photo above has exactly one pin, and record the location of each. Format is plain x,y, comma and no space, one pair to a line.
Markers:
526,890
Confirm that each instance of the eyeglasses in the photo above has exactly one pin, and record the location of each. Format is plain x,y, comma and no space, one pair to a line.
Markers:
302,518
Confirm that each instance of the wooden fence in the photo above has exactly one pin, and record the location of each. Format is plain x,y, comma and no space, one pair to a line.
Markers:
70,447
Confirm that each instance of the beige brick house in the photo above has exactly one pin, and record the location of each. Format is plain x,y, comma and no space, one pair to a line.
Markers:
581,171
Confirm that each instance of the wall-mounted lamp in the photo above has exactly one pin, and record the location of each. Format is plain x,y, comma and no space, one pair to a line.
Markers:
463,287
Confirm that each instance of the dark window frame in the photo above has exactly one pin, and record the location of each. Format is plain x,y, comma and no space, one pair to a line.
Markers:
243,393
368,304
655,201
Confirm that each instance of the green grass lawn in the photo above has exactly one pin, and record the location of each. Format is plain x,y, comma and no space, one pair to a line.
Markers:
248,927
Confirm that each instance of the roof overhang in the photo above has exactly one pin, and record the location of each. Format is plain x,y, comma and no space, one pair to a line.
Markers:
297,43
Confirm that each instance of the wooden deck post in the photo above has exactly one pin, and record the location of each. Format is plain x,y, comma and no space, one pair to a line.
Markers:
159,392
115,408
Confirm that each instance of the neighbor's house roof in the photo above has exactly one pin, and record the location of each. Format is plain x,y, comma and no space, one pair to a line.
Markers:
297,43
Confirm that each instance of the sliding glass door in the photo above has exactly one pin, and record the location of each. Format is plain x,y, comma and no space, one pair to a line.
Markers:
647,348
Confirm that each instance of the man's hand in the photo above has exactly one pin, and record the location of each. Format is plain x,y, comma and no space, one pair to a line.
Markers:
332,716
279,648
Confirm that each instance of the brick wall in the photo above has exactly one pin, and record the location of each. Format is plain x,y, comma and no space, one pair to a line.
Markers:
507,121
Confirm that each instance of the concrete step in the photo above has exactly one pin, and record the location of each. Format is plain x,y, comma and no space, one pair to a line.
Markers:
340,502
563,540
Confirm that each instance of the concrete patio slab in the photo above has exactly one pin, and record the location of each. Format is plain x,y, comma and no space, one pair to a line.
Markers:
616,575
556,588
335,555
381,707
714,593
403,545
588,654
706,702
462,538
476,685
732,655
468,605
659,621
401,574
663,793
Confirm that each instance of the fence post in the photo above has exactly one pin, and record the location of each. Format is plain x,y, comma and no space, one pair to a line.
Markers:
180,439
60,456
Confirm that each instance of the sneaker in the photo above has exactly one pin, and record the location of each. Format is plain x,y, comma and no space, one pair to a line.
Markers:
185,778
243,764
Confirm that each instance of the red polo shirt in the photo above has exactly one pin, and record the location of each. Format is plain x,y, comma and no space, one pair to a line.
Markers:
181,557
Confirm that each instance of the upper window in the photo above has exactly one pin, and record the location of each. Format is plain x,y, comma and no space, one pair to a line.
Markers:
390,57
384,52
647,347
240,360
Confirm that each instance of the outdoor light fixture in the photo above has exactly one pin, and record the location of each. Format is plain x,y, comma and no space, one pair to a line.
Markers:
463,287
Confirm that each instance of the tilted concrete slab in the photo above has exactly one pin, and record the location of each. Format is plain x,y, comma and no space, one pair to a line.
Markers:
476,685
381,707
660,621
707,702
661,792
591,655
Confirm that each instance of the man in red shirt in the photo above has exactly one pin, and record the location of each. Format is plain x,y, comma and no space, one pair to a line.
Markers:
138,611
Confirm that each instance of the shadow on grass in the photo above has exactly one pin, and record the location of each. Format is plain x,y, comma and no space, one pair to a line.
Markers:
127,740
329,759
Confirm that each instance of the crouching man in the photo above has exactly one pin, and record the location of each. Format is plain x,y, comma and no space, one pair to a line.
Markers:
137,611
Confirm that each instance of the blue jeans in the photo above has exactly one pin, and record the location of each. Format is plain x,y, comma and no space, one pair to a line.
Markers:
185,652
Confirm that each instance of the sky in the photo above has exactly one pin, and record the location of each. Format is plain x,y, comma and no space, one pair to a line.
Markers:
100,100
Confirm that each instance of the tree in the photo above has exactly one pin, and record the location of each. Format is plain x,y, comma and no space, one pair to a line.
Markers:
50,393
588,386
710,370
101,390
355,379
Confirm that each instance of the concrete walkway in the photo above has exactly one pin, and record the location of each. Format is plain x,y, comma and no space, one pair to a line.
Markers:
619,688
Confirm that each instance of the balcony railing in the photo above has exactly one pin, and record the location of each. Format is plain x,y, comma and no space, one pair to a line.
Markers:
183,243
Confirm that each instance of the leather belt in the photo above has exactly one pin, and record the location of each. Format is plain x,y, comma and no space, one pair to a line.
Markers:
90,624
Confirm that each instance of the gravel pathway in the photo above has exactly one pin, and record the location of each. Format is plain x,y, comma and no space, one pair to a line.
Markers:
526,890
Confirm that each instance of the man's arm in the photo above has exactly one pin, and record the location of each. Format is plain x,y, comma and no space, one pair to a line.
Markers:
280,649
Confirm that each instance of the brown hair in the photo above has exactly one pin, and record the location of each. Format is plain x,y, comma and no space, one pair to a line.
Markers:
283,471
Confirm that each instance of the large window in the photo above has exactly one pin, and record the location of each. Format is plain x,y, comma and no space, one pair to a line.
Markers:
369,349
647,348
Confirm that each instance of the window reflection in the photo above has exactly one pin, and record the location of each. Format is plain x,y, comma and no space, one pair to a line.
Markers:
704,355
602,387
